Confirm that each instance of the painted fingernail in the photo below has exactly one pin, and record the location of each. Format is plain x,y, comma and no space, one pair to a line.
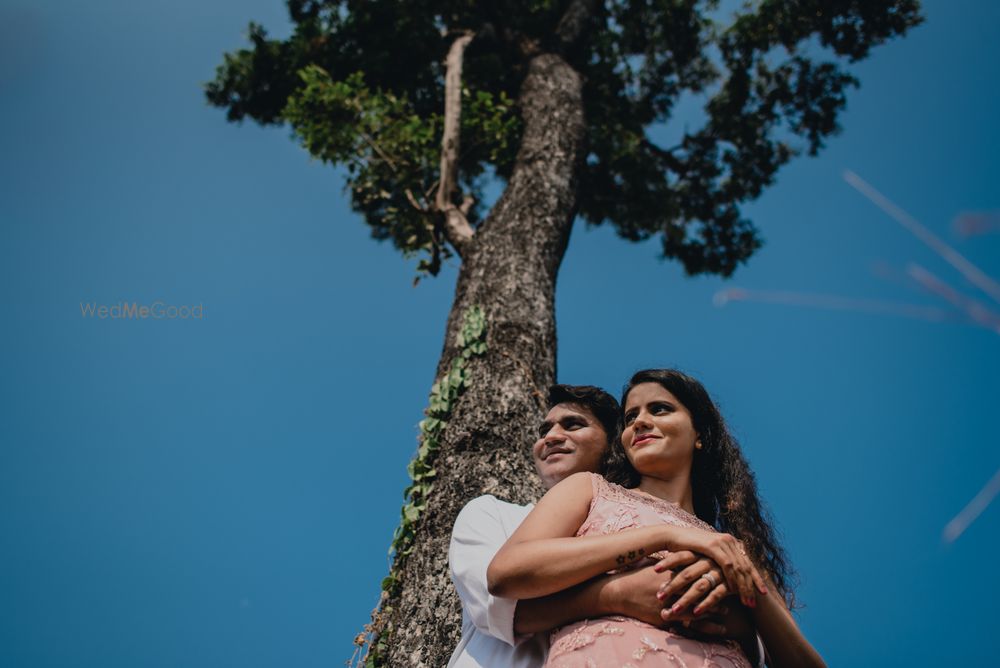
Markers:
696,611
753,603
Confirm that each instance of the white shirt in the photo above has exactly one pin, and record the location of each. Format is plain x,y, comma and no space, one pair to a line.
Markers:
488,639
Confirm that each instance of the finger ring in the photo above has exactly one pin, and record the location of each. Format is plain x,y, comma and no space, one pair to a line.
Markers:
712,580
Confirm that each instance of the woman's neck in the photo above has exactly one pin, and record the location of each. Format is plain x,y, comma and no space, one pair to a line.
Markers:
675,490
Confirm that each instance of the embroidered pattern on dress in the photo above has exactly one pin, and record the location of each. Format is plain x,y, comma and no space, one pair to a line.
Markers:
669,512
623,518
582,636
729,653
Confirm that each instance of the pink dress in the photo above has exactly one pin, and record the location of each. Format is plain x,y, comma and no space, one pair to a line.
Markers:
623,642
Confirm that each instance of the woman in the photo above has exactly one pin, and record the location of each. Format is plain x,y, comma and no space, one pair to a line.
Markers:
683,477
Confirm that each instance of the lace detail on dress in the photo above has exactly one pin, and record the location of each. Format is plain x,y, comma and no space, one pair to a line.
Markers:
632,498
584,635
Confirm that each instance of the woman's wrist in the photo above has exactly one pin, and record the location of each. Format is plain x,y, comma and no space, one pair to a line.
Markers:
669,537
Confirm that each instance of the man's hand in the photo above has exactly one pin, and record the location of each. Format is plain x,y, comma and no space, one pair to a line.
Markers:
634,594
731,621
630,593
669,591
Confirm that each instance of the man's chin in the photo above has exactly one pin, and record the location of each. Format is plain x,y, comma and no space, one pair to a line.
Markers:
553,473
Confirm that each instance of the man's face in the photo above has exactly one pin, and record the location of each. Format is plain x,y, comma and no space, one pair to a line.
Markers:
570,440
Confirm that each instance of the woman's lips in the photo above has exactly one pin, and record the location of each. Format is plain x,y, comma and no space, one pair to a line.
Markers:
645,438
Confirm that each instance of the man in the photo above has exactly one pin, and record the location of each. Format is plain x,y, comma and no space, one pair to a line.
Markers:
503,633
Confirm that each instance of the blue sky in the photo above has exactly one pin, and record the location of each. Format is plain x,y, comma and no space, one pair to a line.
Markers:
222,492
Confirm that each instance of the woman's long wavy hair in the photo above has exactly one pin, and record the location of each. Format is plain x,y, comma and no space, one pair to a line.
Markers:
724,488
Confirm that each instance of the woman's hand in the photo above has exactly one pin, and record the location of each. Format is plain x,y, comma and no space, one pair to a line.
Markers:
741,575
696,581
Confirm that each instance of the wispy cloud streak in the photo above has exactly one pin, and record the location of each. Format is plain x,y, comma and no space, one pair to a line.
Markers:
833,302
961,522
976,311
971,272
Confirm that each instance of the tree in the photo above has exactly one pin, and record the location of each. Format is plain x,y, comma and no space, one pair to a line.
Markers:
425,101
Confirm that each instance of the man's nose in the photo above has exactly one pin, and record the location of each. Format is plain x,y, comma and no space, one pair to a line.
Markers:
554,435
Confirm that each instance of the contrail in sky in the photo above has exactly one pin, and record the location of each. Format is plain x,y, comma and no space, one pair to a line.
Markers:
834,302
961,522
950,255
965,224
976,311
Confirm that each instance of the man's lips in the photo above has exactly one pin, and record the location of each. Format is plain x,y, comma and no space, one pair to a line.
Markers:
555,451
644,438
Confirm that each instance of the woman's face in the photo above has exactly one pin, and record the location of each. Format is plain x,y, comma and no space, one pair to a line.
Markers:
659,436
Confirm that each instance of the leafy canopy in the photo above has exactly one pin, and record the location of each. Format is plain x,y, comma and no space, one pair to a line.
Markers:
361,84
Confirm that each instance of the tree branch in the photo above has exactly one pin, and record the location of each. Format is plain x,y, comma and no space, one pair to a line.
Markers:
665,154
573,21
378,149
414,203
456,225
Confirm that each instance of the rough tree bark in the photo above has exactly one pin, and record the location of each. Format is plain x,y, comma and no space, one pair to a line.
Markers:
509,269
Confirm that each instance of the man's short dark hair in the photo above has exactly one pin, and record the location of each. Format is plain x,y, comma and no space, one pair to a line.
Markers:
602,405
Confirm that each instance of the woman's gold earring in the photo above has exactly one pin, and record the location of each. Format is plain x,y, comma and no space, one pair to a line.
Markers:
697,444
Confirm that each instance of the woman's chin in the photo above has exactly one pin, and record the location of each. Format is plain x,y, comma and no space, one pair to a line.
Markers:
656,464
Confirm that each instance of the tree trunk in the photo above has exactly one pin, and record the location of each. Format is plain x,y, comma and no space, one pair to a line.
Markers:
508,269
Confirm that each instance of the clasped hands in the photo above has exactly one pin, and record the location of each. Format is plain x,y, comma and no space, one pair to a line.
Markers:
674,593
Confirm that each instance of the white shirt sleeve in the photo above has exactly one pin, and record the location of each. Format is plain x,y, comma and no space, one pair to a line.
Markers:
479,533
